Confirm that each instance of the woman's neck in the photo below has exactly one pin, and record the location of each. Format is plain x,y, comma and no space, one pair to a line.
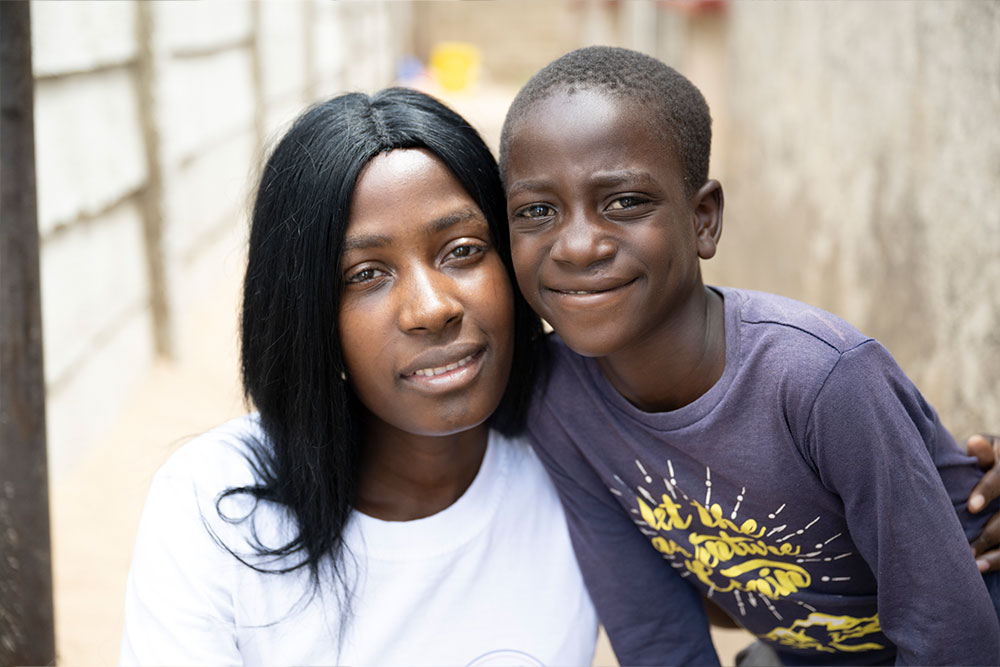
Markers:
406,476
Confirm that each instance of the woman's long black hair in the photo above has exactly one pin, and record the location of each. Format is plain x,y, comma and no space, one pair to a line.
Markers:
292,362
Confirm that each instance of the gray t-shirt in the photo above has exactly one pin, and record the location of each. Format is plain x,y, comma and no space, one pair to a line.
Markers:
812,493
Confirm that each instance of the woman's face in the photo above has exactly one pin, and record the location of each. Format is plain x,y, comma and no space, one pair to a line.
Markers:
427,315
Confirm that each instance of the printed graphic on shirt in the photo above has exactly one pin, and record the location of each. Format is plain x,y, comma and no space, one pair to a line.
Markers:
822,632
504,657
754,562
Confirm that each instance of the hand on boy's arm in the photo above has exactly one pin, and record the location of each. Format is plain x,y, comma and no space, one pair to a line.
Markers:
986,547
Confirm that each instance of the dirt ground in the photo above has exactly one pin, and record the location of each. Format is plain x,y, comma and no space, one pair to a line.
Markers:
96,506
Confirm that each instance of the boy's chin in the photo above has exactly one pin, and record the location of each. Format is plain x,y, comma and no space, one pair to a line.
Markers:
592,343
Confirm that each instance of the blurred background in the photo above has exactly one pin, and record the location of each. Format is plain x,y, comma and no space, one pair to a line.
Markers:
858,144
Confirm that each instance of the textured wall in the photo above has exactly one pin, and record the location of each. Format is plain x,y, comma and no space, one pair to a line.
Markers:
91,171
516,37
859,147
150,121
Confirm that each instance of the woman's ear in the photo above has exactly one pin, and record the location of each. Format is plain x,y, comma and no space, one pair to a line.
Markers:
707,206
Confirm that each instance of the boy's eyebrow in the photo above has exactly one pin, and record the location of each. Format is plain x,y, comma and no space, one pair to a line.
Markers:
622,176
365,241
607,178
517,186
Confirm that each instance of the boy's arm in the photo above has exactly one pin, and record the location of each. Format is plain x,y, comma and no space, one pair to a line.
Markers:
986,546
651,615
875,442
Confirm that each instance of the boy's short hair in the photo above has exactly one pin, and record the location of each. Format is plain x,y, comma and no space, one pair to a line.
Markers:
635,78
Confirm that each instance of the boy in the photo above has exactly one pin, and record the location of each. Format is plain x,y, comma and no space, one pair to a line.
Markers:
759,449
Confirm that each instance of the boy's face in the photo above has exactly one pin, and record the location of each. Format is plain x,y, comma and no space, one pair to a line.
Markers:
605,240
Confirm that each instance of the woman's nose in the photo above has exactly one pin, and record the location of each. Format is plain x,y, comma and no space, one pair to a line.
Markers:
581,241
429,303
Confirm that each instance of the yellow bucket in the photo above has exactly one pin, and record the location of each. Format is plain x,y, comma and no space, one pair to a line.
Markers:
455,65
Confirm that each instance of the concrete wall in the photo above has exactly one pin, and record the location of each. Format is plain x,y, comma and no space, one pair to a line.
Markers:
151,118
857,144
859,148
516,37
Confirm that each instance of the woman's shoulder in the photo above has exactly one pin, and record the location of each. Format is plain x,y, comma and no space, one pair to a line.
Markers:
222,456
515,450
523,467
195,498
188,489
184,579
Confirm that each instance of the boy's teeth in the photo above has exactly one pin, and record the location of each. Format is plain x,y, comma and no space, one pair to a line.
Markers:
428,372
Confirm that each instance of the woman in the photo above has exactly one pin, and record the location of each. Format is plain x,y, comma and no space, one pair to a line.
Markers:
379,508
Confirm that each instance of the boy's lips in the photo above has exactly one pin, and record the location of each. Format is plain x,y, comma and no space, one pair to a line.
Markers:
589,293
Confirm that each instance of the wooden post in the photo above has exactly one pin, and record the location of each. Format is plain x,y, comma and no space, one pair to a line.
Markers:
152,193
259,94
26,615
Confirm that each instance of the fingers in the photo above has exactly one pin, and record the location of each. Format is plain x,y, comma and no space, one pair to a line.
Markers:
989,539
983,448
989,561
986,449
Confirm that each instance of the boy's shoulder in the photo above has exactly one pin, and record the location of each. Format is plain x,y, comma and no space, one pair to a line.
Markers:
771,322
790,317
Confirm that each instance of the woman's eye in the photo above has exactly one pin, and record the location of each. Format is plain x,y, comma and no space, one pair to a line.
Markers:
536,211
623,203
364,276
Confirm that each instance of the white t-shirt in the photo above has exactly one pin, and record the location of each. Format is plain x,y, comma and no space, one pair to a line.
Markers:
490,580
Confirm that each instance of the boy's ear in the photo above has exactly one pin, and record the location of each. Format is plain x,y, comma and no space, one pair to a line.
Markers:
707,205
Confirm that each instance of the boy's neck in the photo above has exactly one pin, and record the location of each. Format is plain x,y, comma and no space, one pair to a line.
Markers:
678,363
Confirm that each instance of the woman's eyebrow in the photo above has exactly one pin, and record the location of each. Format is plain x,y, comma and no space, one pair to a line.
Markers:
452,219
366,241
363,241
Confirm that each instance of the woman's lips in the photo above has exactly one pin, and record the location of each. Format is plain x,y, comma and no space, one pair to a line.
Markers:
449,377
440,370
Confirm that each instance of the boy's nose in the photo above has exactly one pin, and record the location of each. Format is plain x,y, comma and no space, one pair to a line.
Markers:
581,241
427,303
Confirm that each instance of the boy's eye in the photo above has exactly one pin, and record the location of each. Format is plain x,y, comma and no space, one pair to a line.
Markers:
466,250
623,203
535,211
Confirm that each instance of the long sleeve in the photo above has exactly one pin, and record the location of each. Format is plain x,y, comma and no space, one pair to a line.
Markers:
875,441
651,615
178,601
